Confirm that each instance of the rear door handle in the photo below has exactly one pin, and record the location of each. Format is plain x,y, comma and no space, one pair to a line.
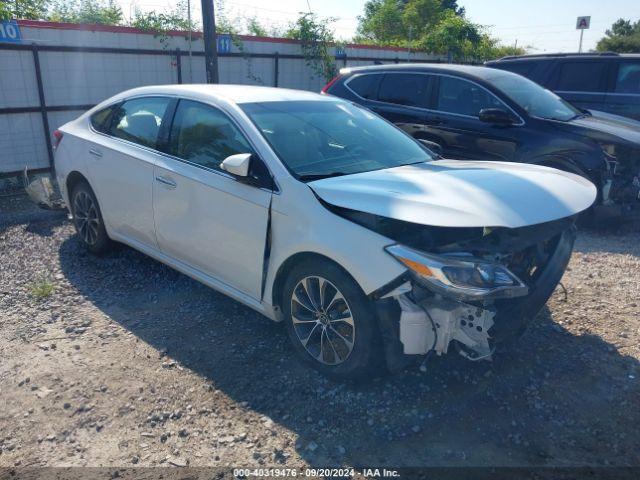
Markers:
166,181
94,152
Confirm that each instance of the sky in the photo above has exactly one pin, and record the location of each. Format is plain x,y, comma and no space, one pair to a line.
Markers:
540,25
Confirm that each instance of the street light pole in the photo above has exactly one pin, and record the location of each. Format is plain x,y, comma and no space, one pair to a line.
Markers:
210,44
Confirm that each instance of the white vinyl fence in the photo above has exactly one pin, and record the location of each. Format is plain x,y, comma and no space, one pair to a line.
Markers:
58,71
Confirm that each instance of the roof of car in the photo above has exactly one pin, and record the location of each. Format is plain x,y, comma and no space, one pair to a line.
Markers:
470,70
230,93
563,55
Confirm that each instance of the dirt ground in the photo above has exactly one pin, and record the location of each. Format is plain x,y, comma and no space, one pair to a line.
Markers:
128,363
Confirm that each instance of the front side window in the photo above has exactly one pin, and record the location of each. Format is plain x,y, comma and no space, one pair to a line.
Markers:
532,98
204,135
462,97
139,120
581,77
315,139
628,80
405,89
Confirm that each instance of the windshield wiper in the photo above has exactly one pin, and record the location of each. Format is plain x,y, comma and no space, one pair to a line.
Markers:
319,176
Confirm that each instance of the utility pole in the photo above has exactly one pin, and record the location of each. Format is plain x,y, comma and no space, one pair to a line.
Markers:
409,45
190,39
210,43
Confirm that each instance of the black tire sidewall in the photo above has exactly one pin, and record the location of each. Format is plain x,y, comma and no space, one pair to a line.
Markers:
365,356
103,242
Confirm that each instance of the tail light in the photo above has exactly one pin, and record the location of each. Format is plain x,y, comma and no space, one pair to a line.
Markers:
328,85
57,138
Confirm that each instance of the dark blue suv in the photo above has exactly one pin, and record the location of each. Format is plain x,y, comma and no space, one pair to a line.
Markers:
480,113
608,82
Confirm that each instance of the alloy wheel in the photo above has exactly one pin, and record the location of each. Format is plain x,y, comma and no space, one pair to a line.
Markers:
322,320
85,213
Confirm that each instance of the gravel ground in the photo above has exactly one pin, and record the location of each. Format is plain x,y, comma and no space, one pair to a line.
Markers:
128,363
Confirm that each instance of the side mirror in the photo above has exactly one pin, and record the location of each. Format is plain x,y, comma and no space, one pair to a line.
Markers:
237,164
496,116
433,146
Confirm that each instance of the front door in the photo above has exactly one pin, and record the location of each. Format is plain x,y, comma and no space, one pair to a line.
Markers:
455,124
205,217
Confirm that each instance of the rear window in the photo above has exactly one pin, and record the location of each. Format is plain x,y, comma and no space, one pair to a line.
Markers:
405,89
365,85
100,120
139,120
581,76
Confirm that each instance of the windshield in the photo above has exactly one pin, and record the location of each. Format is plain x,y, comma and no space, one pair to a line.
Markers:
535,100
317,139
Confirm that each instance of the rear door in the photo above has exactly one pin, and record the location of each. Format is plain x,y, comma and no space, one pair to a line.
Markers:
624,95
120,163
205,217
402,99
582,82
455,125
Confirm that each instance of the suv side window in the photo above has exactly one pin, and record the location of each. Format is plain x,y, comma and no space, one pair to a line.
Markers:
406,89
101,120
204,135
628,80
581,76
463,97
365,85
139,120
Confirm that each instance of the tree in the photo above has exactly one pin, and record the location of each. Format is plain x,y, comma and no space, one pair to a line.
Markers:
106,12
162,22
316,37
26,9
622,37
391,21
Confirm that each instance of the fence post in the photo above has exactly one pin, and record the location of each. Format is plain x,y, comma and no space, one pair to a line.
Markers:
43,104
179,65
276,68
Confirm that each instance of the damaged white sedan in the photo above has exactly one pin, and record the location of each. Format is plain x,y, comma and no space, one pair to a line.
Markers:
318,213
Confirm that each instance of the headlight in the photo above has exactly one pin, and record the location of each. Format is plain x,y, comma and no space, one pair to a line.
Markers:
462,278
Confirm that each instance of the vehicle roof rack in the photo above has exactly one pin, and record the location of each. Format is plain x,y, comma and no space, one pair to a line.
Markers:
567,54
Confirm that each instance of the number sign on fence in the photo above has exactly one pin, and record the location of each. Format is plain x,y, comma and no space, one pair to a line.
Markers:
10,32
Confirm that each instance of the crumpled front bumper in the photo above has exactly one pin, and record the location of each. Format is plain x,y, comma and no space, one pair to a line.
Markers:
415,325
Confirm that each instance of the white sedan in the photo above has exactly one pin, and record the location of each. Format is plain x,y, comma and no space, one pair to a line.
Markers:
317,212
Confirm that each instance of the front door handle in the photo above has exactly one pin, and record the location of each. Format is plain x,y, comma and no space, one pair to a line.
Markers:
166,181
95,153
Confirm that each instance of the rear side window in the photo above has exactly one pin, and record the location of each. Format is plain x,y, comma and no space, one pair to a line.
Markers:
139,120
628,80
204,135
100,120
365,85
521,68
581,76
462,97
405,89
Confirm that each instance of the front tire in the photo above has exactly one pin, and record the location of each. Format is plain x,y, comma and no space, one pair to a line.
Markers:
331,322
87,218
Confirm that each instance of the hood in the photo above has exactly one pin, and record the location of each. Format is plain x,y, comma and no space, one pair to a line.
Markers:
621,127
452,193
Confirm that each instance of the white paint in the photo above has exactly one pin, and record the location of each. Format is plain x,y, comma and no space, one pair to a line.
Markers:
452,193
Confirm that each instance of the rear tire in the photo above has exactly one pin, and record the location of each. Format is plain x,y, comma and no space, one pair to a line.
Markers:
331,322
87,218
